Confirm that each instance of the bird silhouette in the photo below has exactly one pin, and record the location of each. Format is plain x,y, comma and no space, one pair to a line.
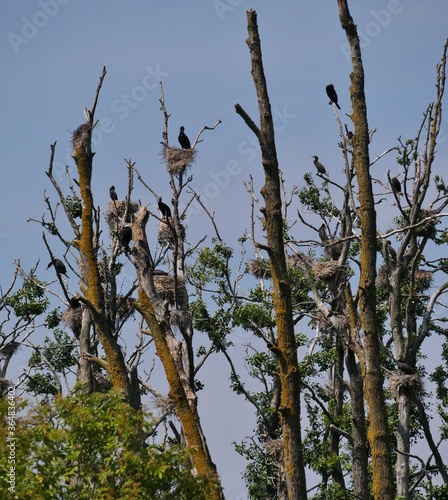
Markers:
392,252
332,95
404,367
184,141
113,194
164,208
395,185
323,233
59,266
318,165
126,236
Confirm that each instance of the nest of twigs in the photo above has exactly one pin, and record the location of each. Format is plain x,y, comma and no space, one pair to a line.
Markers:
72,318
178,160
407,383
164,286
325,270
274,448
297,262
81,136
382,277
181,318
259,268
164,404
9,349
166,234
115,212
423,278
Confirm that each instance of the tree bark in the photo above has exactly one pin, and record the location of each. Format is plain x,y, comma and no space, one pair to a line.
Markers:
169,350
286,350
378,434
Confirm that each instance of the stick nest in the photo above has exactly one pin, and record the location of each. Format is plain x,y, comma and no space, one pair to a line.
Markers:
405,383
181,318
423,278
72,318
164,286
165,404
326,270
259,268
165,235
115,212
178,160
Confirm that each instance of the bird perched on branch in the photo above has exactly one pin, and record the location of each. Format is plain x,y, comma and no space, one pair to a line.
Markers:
59,266
349,133
322,233
331,93
164,208
404,367
318,165
392,252
113,194
395,185
184,141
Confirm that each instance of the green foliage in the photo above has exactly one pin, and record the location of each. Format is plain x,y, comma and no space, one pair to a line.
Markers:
74,205
90,447
53,318
30,299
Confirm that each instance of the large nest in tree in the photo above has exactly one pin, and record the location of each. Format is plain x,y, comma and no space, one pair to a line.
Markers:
72,318
259,268
101,382
423,278
178,160
9,349
115,212
166,235
405,383
164,286
326,270
382,277
181,318
81,135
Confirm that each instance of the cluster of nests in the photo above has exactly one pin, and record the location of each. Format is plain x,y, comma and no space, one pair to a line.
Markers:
178,160
324,270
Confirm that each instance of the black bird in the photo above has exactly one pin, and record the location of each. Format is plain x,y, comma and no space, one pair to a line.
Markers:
126,235
331,93
113,194
59,266
318,165
75,303
323,233
184,141
392,252
349,133
164,208
404,367
395,185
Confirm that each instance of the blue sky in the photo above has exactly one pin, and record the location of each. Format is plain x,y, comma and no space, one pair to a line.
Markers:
52,54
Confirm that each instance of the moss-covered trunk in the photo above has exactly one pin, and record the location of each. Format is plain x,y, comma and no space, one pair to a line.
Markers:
383,481
286,350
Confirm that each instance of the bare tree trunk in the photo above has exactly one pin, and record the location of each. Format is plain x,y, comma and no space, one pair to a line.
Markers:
286,350
378,435
169,350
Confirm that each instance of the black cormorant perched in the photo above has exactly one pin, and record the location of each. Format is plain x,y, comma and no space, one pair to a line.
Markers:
331,93
404,367
395,185
323,233
113,194
349,133
164,208
75,303
126,235
59,266
184,141
318,165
